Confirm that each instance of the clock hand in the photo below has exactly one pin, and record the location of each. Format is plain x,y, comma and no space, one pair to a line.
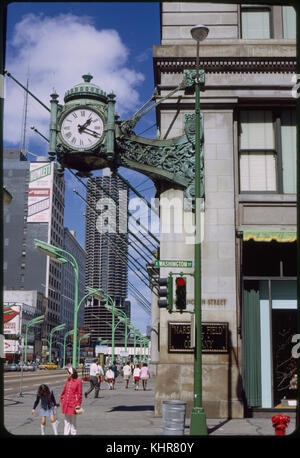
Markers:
91,132
87,123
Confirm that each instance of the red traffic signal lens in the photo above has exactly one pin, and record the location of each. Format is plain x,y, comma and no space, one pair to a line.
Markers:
180,281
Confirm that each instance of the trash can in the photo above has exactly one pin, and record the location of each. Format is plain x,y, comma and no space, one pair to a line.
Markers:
173,413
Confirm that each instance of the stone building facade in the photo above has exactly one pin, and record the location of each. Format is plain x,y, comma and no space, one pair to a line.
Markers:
249,217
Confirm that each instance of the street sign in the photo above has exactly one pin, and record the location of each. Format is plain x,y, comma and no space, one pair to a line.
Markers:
164,263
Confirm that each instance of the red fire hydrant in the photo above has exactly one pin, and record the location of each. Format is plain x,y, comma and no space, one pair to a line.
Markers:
280,423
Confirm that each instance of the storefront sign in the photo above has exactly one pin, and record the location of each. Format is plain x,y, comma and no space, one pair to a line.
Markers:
179,338
214,338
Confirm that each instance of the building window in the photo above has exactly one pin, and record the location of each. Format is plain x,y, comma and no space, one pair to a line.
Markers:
256,22
267,160
289,150
257,151
289,22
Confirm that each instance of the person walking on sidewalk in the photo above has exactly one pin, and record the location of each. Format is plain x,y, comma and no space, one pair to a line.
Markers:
126,373
145,375
110,376
95,370
136,376
47,408
101,372
70,398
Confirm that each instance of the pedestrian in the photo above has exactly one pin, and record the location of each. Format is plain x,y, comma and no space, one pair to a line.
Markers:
145,375
101,372
94,378
136,376
47,408
70,398
116,372
110,375
126,373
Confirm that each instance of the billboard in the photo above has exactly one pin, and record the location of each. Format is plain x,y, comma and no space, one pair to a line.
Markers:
11,346
39,192
12,321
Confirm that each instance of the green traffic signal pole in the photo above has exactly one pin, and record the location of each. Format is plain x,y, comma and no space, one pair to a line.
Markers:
53,330
198,419
38,319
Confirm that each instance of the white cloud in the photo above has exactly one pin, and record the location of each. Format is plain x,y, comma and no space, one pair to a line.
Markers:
56,52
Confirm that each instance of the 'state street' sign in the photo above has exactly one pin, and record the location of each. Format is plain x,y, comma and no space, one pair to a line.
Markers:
165,263
214,338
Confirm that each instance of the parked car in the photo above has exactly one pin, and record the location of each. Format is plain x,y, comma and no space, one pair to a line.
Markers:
48,366
10,367
24,365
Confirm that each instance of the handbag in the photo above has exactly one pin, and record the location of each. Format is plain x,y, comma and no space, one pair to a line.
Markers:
79,410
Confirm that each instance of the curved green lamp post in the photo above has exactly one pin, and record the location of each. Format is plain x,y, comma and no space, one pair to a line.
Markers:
65,340
59,255
85,336
53,330
123,318
37,320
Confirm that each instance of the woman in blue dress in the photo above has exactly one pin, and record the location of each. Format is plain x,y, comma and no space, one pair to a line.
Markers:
47,408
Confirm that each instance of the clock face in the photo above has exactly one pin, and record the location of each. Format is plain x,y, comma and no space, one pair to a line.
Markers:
82,128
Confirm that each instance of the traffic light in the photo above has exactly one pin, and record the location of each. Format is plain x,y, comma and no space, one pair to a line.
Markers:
166,293
180,293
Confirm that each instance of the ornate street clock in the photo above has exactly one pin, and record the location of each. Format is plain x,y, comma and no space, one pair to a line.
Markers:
81,129
86,135
81,136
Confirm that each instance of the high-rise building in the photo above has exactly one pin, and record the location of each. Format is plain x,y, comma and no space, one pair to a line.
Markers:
36,212
106,248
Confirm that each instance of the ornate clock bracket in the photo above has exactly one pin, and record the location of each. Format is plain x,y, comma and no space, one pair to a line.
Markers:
171,162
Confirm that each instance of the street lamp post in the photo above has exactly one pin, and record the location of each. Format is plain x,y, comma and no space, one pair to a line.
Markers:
65,340
36,320
58,255
112,307
53,330
198,419
85,336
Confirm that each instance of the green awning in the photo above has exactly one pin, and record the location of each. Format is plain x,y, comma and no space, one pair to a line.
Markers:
268,236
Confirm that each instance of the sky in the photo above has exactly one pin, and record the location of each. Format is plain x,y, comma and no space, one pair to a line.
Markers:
51,45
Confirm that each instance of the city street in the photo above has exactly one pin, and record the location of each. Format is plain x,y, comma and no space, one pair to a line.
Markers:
118,413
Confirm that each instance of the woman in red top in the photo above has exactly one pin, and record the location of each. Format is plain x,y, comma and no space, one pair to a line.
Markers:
70,398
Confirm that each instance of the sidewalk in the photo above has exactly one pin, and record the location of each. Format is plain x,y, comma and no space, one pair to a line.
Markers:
122,412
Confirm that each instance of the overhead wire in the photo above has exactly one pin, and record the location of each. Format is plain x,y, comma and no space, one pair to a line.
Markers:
138,240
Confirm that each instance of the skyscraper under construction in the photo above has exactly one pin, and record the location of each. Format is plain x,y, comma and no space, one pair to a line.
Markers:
106,246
